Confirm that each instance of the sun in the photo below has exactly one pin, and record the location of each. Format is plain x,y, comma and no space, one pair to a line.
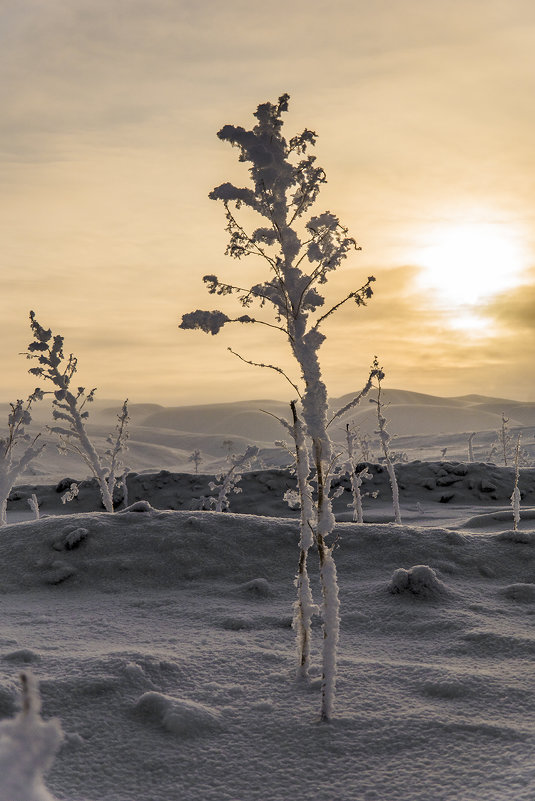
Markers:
464,264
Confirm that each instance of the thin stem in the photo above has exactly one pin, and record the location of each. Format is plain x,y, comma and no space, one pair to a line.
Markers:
269,366
357,293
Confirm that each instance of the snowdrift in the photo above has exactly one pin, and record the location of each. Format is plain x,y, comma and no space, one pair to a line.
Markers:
162,642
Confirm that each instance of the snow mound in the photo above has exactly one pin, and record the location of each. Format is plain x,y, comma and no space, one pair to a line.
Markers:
178,715
523,593
256,588
420,581
28,745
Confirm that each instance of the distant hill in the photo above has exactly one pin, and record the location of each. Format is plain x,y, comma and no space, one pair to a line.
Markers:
409,413
423,427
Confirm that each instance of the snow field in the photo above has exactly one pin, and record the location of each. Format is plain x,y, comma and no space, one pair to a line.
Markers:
162,642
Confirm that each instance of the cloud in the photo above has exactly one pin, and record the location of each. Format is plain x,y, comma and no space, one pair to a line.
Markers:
110,110
514,310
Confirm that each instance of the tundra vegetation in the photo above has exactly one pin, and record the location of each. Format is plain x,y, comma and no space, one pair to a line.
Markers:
385,439
70,414
299,252
17,448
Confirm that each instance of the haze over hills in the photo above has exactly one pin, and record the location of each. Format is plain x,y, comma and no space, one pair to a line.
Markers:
160,437
409,413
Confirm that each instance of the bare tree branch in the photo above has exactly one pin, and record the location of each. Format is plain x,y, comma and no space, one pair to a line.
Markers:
270,367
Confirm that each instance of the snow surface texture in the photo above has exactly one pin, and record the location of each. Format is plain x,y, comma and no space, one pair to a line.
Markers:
162,641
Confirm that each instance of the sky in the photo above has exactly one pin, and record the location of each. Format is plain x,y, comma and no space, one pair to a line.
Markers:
108,150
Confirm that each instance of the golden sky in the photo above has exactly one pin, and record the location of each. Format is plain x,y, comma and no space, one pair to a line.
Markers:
425,117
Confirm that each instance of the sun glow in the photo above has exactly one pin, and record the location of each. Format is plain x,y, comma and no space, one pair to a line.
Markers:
464,264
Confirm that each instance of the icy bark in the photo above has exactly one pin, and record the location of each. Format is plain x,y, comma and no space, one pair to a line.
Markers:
304,606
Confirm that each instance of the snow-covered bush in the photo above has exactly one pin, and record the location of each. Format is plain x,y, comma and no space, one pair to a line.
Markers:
228,482
357,448
68,407
28,745
17,448
285,183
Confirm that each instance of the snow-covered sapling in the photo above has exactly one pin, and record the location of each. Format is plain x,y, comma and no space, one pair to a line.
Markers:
356,477
68,407
505,439
117,471
503,443
300,254
515,497
28,745
384,438
17,448
228,482
196,458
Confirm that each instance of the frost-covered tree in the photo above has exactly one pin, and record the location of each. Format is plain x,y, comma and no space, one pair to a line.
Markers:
300,252
28,745
68,409
505,440
385,438
196,458
17,448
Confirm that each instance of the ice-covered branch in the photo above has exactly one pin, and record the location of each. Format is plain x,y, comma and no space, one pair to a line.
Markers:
360,296
374,373
230,480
